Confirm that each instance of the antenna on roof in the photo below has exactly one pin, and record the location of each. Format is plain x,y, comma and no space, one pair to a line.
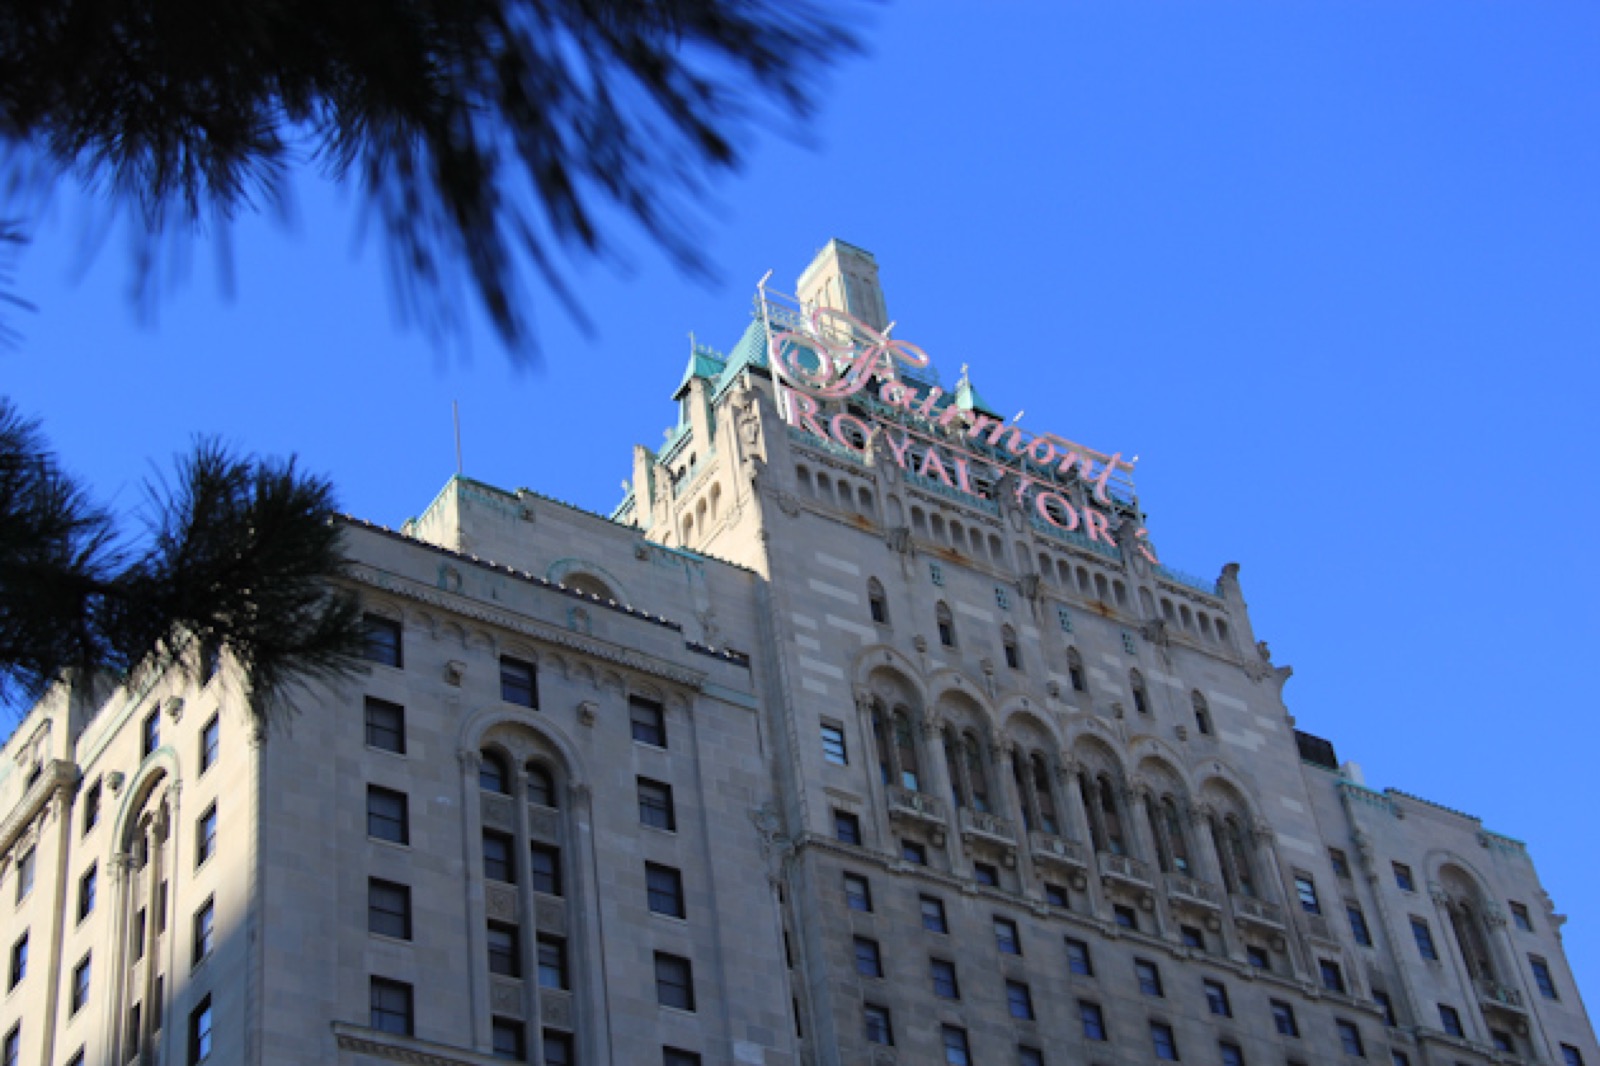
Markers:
455,413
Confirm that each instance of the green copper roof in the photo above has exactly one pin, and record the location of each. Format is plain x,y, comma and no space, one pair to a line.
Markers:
704,363
967,398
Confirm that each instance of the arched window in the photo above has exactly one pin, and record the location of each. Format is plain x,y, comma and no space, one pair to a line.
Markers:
905,746
1075,670
947,625
541,786
877,602
1141,698
1110,815
492,775
1086,793
1008,642
952,765
880,741
1238,868
1177,839
1202,713
972,752
1043,795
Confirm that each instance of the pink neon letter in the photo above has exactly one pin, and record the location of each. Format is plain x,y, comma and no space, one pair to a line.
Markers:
1096,526
803,412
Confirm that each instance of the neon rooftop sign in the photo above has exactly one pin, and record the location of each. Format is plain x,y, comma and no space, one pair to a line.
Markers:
823,356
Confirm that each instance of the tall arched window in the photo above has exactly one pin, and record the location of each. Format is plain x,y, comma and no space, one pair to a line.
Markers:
1008,642
1043,795
947,625
1238,867
1111,815
1075,671
1202,713
877,602
972,753
541,786
1177,839
881,741
1141,698
905,746
492,774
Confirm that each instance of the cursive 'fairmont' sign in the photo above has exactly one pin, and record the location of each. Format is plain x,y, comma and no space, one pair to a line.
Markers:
832,356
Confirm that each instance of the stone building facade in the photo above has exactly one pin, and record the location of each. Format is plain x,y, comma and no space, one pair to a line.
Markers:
868,729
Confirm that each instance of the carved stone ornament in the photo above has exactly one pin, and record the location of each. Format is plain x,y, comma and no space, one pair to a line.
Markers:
500,901
454,671
787,504
1155,631
586,712
174,708
1031,586
769,827
920,642
1054,689
899,539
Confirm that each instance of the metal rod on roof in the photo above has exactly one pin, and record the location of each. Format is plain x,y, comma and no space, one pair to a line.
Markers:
455,413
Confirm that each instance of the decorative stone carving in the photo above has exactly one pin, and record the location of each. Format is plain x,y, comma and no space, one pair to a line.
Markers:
551,916
544,823
505,995
500,901
555,1008
454,671
586,712
899,539
498,812
174,708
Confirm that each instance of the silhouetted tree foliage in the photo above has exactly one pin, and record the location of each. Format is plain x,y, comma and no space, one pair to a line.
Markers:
480,131
240,556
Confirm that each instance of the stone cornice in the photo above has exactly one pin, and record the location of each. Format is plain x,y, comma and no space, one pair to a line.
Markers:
397,1048
57,775
408,588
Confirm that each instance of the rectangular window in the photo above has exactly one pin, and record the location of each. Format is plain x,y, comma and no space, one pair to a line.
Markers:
879,1028
87,888
933,919
1306,889
557,1049
1192,937
1258,957
553,962
1399,1058
1019,1001
936,573
210,743
1217,999
1450,1020
386,726
1165,1044
150,734
1078,960
674,982
1332,976
519,683
138,935
857,893
1341,864
387,818
1093,1019
1029,1056
664,890
846,827
655,805
648,720
1571,1056
200,1032
1283,1019
19,961
1350,1038
869,962
383,641
1402,877
509,1040
25,875
943,973
91,807
1126,917
391,1006
913,852
1056,896
11,1050
1501,1040
80,985
1385,1004
1127,644
1229,1054
956,1052
1519,915
1149,977
1541,977
671,1056
833,744
205,836
497,862
1002,598
544,868
1358,925
986,873
205,927
505,952
1064,619
388,909
1005,937
1424,938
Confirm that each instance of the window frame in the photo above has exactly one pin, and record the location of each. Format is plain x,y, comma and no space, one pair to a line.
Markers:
545,879
1217,1001
942,975
873,1012
1164,1041
385,818
1283,1019
519,682
1080,961
1092,1021
847,827
1148,977
503,948
205,835
554,968
376,733
868,956
500,859
857,893
390,1000
392,891
834,750
938,915
675,981
664,893
203,932
1007,938
384,641
656,807
201,1032
647,721
1019,996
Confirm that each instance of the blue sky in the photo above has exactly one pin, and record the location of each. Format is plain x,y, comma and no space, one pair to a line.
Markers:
1331,269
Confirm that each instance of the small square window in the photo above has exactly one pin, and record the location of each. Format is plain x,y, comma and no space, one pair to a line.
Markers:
386,725
1306,890
1093,1019
1217,999
205,931
1192,937
655,805
88,886
1519,915
1424,938
1229,1054
1056,896
1385,1004
878,1026
664,889
1258,957
510,1041
857,893
1165,1044
1078,960
519,683
913,852
1402,877
986,873
1149,977
1019,1001
933,919
553,962
648,720
1029,1056
1332,975
210,743
846,827
674,982
1542,978
383,641
1571,1056
1341,864
1283,1019
544,868
388,909
391,1006
505,953
869,963
943,973
557,1048
833,744
497,861
205,836
1501,1040
1125,916
1350,1038
200,1032
1450,1020
956,1052
387,817
1006,939
1358,925
150,734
